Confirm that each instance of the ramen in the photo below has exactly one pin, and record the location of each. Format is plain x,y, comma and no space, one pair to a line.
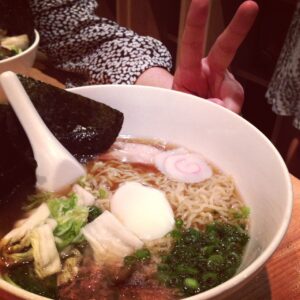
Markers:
148,220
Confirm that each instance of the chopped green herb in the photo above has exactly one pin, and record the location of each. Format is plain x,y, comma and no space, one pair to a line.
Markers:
209,276
191,283
242,213
142,254
130,260
200,260
102,193
178,223
215,262
175,234
94,212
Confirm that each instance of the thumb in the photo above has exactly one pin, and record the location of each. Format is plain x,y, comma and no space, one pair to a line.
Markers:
217,101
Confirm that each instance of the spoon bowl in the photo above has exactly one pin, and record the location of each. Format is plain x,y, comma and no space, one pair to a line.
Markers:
56,167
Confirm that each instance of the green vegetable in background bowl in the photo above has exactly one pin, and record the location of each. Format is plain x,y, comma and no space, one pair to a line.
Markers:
12,45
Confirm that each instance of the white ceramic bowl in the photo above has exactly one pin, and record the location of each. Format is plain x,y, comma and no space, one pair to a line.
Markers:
21,62
226,139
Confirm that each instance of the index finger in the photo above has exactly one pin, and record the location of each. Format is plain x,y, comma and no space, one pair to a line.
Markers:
193,36
223,50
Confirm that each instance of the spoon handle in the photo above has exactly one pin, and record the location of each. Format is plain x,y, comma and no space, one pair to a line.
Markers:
52,158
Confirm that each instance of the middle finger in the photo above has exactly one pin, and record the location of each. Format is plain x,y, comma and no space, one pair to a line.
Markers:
223,51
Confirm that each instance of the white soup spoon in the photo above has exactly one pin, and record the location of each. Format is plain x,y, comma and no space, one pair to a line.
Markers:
56,167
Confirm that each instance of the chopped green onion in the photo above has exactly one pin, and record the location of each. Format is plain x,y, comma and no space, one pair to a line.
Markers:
178,223
163,277
184,269
94,212
175,234
102,193
163,267
142,254
242,213
191,283
139,255
202,259
209,276
130,260
207,250
215,262
192,235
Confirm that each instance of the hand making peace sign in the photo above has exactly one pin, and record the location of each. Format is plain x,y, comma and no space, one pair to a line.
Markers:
208,77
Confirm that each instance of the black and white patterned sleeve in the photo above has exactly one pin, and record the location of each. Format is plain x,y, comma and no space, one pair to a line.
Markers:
284,88
92,49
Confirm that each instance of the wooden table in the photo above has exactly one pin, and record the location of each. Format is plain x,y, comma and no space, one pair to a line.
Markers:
280,278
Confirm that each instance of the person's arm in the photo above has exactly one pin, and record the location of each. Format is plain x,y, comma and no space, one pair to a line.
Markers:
156,76
91,49
100,51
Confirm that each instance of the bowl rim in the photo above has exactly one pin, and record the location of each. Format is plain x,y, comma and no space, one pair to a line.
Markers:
23,53
250,270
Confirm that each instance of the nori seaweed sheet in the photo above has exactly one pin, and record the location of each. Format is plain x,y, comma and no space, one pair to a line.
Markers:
16,18
17,165
85,127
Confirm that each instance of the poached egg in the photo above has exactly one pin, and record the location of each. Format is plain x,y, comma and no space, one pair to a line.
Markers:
144,210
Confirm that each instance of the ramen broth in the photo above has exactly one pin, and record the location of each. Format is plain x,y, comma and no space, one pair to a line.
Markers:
210,222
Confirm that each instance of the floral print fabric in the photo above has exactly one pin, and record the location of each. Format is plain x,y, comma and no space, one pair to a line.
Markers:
93,50
284,89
